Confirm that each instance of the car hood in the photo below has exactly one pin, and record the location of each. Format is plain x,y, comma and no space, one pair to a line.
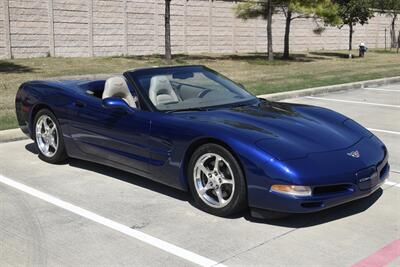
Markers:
287,131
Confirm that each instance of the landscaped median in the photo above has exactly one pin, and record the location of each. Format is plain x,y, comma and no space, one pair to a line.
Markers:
314,69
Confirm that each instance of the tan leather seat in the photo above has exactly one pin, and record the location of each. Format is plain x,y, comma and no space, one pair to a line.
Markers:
161,90
117,87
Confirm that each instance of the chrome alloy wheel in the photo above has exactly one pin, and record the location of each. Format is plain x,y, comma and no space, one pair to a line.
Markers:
214,180
46,136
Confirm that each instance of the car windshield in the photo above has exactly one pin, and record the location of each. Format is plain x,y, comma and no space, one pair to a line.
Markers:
185,88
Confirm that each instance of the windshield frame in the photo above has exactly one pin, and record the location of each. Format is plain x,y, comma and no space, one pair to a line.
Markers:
134,75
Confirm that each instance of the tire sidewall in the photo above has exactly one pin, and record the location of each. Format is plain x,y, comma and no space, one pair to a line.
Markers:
239,199
60,155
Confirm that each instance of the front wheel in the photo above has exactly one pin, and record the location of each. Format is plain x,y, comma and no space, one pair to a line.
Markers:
48,137
216,181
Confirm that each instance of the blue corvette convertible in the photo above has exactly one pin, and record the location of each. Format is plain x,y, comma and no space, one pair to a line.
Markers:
193,129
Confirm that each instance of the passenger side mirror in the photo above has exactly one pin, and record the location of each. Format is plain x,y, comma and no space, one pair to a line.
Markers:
115,103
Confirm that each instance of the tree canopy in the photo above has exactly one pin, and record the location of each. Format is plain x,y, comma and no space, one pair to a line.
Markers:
387,6
325,10
262,8
392,8
354,12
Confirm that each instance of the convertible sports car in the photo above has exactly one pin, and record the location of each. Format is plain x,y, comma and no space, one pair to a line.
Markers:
193,129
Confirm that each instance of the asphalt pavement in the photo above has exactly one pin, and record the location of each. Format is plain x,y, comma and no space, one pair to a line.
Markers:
84,214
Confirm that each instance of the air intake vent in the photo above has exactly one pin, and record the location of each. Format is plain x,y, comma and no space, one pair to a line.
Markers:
331,189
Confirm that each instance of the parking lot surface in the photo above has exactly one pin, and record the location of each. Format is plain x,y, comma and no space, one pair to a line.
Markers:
81,213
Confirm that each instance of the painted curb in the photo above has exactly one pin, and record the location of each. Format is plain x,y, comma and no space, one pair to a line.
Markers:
16,134
331,88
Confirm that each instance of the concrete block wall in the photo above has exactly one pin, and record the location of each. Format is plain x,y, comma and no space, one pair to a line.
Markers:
70,27
197,26
108,28
3,34
28,28
31,28
142,20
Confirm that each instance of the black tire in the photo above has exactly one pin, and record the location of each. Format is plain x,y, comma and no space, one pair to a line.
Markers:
238,201
60,154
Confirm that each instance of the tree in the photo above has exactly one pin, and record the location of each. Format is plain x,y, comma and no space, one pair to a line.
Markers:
353,12
398,43
312,9
167,26
255,9
392,8
292,9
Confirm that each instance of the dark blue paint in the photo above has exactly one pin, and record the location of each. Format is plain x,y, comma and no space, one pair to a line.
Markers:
115,103
276,143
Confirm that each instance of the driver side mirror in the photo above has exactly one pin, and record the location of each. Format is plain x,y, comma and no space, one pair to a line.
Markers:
115,103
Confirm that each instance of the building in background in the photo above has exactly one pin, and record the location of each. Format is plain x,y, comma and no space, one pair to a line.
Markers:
69,28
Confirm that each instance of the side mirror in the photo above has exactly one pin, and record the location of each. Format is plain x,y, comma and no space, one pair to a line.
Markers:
115,103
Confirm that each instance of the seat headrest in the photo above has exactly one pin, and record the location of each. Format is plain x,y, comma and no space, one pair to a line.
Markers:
117,87
160,85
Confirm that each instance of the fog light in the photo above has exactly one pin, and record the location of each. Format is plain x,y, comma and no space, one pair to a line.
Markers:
294,190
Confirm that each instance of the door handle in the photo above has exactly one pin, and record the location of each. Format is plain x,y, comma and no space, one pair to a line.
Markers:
79,104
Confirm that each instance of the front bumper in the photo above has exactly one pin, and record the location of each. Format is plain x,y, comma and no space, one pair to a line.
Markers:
338,186
292,204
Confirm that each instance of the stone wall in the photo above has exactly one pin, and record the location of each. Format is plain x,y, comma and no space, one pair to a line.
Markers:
30,28
2,32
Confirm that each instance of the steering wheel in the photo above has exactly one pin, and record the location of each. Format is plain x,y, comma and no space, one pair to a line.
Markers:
203,93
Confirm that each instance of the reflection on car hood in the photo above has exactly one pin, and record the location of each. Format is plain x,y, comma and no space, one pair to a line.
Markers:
288,131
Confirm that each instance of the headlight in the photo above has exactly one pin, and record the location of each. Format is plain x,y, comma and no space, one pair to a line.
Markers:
293,190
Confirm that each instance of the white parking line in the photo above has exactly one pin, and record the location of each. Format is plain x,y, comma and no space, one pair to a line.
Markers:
354,102
381,89
153,241
390,183
383,131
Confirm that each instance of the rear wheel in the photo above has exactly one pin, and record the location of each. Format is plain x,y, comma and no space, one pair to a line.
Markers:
48,137
216,181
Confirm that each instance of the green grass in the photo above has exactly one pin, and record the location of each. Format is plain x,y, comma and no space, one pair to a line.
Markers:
252,70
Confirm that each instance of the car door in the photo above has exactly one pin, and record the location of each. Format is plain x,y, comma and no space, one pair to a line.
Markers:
115,136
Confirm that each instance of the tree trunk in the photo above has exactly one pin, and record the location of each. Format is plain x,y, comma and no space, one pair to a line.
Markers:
287,35
351,40
393,31
398,42
269,31
167,30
